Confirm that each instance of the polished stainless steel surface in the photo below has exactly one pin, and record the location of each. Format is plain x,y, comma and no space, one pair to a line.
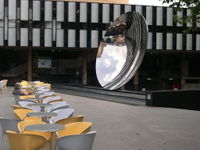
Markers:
121,53
111,63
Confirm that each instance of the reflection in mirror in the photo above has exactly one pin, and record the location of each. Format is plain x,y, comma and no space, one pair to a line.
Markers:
122,50
110,63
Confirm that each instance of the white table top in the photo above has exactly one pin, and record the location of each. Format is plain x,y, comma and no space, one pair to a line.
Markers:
41,114
45,127
39,104
30,99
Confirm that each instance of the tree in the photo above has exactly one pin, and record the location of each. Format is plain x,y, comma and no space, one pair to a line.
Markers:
194,16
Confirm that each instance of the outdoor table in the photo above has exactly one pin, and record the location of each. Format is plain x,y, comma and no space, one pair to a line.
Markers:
47,128
42,106
44,115
31,99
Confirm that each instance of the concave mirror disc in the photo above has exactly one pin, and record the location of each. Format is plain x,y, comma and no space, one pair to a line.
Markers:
111,62
121,52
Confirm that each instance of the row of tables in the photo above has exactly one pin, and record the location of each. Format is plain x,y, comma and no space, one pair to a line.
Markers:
53,128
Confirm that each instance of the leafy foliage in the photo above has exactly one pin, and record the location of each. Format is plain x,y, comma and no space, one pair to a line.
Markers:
192,17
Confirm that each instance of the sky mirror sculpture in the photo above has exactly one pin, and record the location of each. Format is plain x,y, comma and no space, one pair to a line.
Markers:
122,50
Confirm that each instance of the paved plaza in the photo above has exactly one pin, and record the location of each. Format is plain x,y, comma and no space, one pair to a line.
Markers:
128,127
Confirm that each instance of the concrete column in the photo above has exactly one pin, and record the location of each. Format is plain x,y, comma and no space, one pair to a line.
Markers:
84,68
29,64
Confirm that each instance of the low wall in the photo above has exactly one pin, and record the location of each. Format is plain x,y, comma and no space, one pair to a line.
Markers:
186,99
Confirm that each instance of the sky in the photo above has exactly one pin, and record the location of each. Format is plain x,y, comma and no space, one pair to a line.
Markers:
146,2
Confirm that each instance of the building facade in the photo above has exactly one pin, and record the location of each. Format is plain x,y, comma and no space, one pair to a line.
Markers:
57,41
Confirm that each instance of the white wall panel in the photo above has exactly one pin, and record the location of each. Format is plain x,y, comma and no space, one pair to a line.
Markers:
48,37
138,9
71,12
169,44
83,12
189,42
1,9
24,36
94,38
179,41
6,25
12,7
106,13
1,32
60,11
60,38
95,13
198,23
116,11
198,42
169,17
180,15
11,37
159,40
150,39
149,15
127,8
1,36
48,11
36,10
83,38
71,38
36,37
189,24
159,18
1,23
24,10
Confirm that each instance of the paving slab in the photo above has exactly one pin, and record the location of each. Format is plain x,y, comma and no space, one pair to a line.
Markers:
128,127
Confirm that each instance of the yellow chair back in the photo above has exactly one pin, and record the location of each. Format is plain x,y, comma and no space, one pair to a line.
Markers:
19,141
75,128
25,83
21,114
65,121
26,96
17,107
